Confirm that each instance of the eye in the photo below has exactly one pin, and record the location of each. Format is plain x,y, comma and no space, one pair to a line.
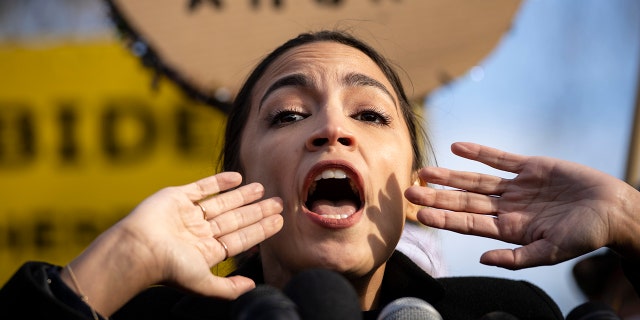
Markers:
285,117
373,116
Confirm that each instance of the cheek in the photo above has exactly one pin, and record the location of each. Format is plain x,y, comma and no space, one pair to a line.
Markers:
398,163
255,159
266,160
393,205
252,155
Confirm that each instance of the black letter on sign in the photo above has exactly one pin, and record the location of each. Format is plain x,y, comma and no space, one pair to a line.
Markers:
43,234
17,136
334,3
276,4
68,124
193,4
128,131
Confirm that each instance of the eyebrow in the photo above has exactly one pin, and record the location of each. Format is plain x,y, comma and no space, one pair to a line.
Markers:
301,80
293,80
358,79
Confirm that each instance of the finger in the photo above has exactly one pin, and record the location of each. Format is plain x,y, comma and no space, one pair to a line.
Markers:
492,157
249,236
224,287
244,216
208,186
454,200
224,202
460,222
537,253
470,181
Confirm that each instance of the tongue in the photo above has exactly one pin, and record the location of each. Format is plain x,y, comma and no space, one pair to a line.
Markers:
328,207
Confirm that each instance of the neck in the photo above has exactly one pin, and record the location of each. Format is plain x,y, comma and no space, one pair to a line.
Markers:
368,288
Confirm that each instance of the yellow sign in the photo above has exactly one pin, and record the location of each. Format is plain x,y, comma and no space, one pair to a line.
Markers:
83,139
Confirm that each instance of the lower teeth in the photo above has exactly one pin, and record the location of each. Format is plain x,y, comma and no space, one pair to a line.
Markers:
336,216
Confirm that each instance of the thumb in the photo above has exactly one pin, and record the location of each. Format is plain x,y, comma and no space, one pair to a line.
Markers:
225,287
537,253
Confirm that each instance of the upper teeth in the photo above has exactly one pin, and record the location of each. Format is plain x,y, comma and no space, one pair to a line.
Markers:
331,174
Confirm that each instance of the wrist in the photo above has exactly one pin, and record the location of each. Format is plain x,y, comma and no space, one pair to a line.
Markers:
626,226
67,295
111,271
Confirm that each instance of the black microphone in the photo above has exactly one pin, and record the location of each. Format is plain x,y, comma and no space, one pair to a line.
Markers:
498,315
409,308
593,310
323,295
264,302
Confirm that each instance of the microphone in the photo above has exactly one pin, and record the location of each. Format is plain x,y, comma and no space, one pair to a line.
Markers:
409,308
264,302
322,294
498,315
593,310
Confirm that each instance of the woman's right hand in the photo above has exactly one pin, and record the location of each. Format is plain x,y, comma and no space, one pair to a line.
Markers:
166,239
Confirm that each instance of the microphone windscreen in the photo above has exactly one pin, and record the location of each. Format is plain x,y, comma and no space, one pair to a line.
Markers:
498,315
264,302
323,295
409,308
593,310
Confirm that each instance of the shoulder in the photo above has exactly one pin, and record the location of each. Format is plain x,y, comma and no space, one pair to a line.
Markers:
466,297
27,286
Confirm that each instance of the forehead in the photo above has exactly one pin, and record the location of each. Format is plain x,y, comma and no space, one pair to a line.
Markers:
323,60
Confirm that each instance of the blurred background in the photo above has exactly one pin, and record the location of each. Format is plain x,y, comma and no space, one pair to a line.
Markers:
92,120
562,83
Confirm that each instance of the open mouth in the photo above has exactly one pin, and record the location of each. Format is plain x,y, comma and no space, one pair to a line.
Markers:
333,194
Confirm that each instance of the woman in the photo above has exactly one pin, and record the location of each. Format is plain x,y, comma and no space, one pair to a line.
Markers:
323,133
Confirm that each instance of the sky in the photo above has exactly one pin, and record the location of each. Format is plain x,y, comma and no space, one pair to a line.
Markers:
561,83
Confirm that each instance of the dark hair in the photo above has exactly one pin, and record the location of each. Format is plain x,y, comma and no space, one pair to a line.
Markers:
239,113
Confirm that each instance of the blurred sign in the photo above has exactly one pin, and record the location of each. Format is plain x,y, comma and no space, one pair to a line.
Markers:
83,139
210,46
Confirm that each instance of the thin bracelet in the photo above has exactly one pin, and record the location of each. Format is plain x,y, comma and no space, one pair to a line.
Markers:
83,297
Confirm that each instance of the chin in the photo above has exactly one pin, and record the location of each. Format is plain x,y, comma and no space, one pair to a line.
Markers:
343,260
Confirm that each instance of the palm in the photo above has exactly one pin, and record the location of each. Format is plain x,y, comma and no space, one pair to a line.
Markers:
556,211
554,208
179,242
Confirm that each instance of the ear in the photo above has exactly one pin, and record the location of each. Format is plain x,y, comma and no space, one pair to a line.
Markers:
417,181
412,208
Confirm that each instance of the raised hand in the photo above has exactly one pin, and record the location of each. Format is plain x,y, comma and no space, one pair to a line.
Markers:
556,209
175,236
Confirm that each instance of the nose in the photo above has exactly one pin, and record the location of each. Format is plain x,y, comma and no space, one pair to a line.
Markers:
331,131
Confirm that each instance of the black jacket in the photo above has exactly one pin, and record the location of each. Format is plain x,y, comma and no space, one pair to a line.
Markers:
36,292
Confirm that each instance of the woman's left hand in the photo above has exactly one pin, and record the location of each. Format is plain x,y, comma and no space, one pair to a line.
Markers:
556,209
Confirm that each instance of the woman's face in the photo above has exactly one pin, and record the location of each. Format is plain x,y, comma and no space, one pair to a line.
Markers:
326,134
